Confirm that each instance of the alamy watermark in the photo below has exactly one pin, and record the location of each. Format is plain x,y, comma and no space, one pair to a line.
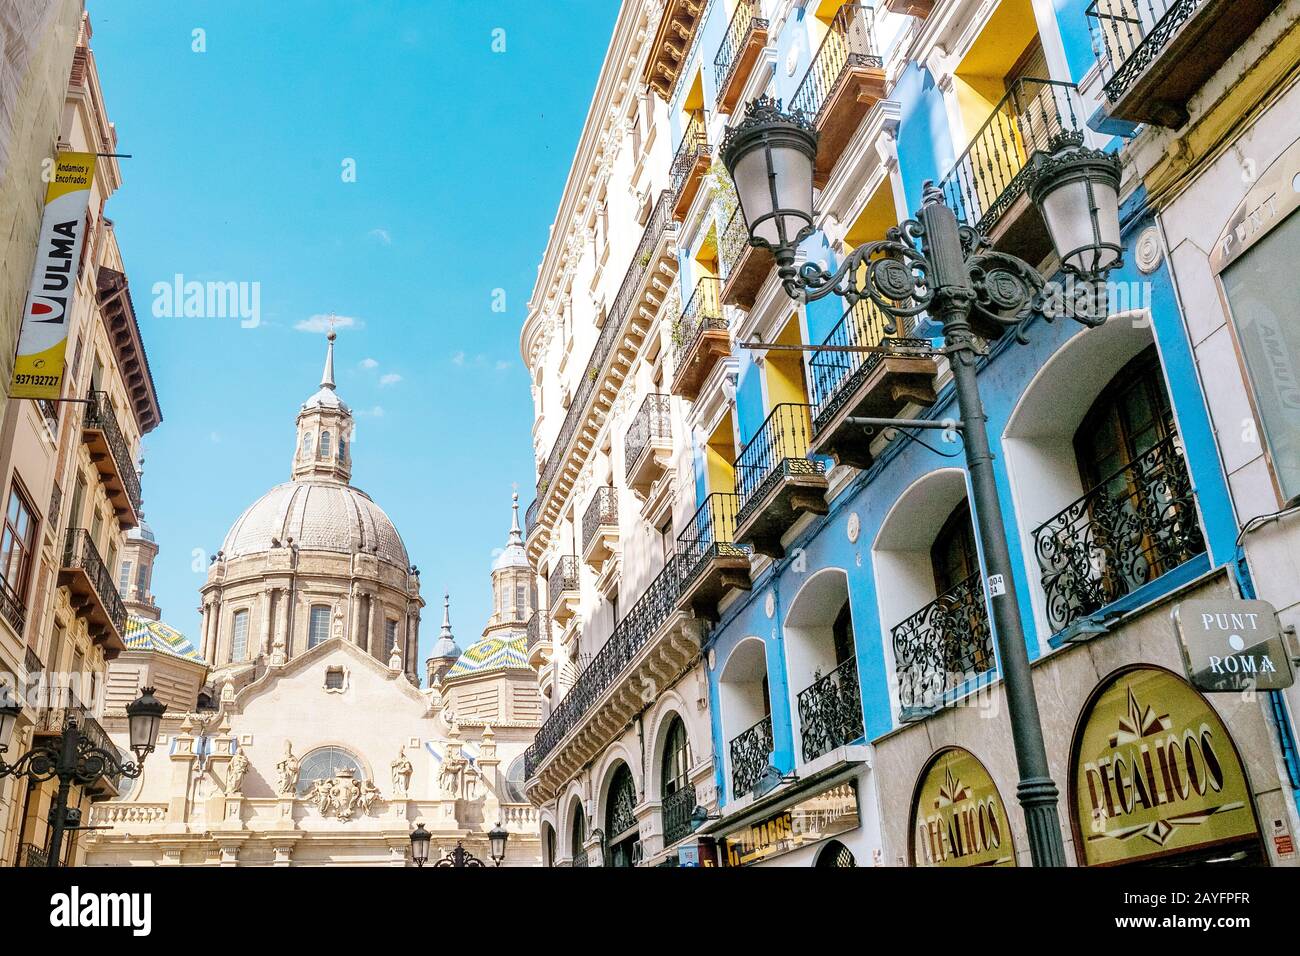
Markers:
190,299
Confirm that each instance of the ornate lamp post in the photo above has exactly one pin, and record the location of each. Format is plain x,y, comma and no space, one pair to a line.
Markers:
936,265
74,759
498,836
458,857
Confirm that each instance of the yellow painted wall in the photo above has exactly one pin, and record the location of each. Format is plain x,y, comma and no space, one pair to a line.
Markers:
877,217
783,371
720,457
979,81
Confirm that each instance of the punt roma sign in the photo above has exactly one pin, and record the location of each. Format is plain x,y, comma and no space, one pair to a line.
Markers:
1155,773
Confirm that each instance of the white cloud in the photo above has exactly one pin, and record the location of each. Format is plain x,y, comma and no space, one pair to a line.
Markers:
502,365
458,358
392,378
383,235
214,438
375,412
321,323
369,363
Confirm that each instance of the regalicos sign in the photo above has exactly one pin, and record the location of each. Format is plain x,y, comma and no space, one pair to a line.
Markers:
38,369
1155,772
958,818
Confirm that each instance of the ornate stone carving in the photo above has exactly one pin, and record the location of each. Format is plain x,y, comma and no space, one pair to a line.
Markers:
401,767
344,796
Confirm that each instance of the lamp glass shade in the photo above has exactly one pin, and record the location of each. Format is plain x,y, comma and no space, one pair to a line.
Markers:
144,718
776,204
1077,191
8,721
420,839
497,838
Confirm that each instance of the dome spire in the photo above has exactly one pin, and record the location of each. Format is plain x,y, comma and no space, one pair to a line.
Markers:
516,536
327,376
446,648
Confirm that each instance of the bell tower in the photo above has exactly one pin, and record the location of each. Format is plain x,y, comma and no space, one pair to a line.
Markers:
323,448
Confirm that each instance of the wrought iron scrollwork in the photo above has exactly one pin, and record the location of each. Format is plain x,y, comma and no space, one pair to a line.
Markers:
751,754
942,645
830,711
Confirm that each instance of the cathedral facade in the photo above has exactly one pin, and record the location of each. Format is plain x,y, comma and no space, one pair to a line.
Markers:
297,732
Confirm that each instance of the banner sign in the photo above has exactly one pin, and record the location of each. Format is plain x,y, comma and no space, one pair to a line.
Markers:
1156,773
39,366
1232,645
958,818
817,818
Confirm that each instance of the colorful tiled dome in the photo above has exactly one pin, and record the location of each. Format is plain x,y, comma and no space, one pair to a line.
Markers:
142,635
492,654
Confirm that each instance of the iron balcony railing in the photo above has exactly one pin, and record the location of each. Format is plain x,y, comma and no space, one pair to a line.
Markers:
29,854
778,450
734,242
830,711
694,144
994,170
602,512
637,627
710,533
677,809
530,515
56,508
836,375
751,754
564,577
100,416
744,21
702,313
653,421
539,629
849,43
611,333
580,861
79,552
1135,526
1128,35
12,607
943,645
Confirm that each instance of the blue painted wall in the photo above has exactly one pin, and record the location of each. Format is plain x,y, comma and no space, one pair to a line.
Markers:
925,149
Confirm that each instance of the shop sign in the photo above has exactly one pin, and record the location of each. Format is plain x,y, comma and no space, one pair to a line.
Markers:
816,818
1274,194
958,818
1155,773
1233,645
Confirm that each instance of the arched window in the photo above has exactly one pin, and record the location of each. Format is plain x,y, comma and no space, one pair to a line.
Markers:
1130,417
318,629
305,450
953,555
324,444
324,763
578,836
678,794
548,845
239,636
967,649
620,820
343,449
835,854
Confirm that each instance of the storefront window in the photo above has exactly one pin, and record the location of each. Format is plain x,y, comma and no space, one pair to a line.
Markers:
1260,287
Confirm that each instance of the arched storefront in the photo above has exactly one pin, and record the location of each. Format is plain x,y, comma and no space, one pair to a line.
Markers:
958,817
621,834
1156,779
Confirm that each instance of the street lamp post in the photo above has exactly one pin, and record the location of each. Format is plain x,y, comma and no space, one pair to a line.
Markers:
936,265
74,758
459,856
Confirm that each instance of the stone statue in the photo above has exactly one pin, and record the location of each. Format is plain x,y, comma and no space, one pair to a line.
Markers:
369,794
235,774
286,772
345,793
401,774
449,776
322,794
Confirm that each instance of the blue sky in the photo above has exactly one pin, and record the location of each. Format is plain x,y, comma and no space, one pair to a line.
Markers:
237,174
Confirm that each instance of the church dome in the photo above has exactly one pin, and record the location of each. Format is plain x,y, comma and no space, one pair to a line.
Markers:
514,555
316,515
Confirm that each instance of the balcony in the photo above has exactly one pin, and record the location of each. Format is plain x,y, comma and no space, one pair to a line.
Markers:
648,445
940,647
745,266
50,722
600,528
751,755
649,276
712,563
700,339
739,51
690,165
15,613
652,644
111,455
29,854
910,8
92,593
830,711
844,81
677,808
1155,54
1137,525
673,41
988,187
776,481
850,384
562,589
539,640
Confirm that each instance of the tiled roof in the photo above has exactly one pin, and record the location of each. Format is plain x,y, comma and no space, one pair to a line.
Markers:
142,635
492,654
